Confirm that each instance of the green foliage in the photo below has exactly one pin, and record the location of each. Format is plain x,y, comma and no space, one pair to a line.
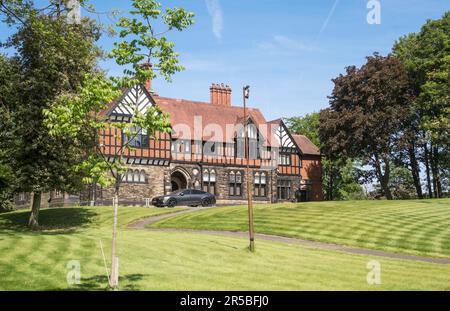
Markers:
307,125
368,107
339,176
6,185
54,58
146,53
401,183
142,43
427,57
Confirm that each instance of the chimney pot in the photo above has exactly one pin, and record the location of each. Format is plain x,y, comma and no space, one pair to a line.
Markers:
220,94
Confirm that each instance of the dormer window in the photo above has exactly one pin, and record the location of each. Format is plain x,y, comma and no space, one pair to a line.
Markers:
252,136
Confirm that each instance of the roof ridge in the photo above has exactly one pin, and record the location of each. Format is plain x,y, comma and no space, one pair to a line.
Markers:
162,98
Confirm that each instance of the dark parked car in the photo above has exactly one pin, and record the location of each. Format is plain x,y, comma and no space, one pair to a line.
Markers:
188,197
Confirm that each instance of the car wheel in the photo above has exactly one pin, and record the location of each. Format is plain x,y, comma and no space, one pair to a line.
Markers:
171,203
205,202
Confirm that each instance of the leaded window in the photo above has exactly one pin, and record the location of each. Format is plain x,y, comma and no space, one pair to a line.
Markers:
136,138
209,181
283,189
260,184
235,183
135,177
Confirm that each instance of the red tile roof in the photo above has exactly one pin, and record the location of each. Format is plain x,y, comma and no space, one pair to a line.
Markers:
305,145
184,112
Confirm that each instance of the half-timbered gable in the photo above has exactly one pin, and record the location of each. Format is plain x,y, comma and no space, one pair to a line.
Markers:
145,150
289,154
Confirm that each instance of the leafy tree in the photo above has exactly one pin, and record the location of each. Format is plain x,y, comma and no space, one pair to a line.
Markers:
54,58
401,183
145,52
9,75
367,108
426,56
307,125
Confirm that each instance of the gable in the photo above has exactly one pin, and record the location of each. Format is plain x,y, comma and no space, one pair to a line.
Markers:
136,98
283,138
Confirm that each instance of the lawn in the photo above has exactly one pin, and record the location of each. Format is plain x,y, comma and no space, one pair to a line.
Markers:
181,261
413,226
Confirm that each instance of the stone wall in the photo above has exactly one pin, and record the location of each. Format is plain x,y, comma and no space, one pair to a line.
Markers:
136,193
158,182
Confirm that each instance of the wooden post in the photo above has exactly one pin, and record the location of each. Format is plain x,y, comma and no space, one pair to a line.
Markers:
249,183
114,281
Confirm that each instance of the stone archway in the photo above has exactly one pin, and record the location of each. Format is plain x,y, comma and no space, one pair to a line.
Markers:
178,181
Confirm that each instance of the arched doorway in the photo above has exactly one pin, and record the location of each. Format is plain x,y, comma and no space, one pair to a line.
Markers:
178,181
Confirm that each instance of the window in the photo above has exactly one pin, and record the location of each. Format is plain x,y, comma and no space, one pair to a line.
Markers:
211,148
260,182
209,181
240,147
186,192
197,185
136,138
181,146
134,176
22,196
235,183
284,159
253,148
283,189
197,192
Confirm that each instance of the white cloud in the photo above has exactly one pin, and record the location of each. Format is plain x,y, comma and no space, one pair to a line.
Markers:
284,45
215,12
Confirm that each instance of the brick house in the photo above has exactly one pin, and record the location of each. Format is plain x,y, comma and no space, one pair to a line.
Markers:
206,150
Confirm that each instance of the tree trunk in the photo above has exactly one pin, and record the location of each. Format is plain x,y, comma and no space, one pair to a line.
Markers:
33,222
383,178
436,175
330,183
415,170
427,169
435,171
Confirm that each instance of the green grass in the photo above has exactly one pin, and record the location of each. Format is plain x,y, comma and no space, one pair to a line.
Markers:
414,227
181,261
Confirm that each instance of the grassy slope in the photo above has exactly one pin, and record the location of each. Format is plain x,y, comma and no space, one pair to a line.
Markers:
416,227
178,261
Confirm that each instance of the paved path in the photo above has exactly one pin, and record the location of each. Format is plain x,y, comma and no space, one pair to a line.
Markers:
141,224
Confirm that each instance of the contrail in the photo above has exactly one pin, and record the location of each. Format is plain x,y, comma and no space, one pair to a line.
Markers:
327,20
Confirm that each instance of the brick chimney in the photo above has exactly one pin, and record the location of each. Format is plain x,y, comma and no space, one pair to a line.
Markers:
220,95
148,83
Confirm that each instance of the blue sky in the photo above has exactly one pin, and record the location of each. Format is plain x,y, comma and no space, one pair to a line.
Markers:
288,51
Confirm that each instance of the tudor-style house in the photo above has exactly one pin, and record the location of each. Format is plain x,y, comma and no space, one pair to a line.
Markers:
206,150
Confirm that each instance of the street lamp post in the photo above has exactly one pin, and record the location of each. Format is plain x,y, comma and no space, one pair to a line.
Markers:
246,94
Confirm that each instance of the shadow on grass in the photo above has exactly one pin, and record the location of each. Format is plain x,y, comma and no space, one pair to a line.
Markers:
52,221
100,282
